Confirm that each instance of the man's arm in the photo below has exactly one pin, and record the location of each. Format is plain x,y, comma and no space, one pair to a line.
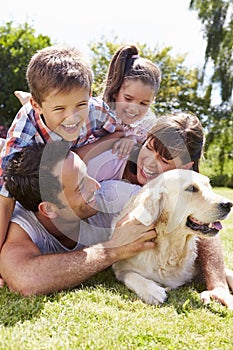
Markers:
7,205
211,261
27,271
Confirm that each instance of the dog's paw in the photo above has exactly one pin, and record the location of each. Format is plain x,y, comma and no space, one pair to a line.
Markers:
147,290
152,294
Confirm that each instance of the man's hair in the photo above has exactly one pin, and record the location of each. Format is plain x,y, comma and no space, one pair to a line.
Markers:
57,69
29,174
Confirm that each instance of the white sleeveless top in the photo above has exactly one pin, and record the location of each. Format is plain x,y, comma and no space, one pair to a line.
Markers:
110,199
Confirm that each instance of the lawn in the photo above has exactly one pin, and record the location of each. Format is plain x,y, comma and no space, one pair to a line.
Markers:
103,314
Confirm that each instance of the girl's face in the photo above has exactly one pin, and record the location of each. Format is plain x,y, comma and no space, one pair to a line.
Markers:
150,164
133,100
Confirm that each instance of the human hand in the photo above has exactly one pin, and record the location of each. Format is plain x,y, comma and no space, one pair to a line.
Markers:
124,248
130,237
220,294
124,146
129,229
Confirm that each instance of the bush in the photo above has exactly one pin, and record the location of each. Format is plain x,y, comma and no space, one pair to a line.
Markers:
230,183
224,180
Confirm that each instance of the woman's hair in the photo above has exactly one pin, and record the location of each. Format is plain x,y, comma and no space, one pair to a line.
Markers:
59,69
126,64
176,135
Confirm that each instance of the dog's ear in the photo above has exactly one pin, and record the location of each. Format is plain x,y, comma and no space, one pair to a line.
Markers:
148,204
179,208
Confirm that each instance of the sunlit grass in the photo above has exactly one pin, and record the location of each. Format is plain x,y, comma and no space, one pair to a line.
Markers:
104,314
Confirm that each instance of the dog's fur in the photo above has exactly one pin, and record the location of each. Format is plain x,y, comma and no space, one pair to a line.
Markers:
179,204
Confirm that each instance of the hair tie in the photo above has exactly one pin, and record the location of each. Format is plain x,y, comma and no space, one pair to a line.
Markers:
129,63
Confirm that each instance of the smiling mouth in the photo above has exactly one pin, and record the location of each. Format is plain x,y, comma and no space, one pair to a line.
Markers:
148,173
91,199
208,229
70,128
131,116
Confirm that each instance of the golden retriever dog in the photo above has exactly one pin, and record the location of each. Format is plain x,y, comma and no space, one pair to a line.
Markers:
180,205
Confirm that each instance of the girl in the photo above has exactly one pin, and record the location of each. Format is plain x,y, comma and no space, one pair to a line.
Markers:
131,86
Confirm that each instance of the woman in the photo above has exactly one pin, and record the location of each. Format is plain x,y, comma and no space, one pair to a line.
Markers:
175,141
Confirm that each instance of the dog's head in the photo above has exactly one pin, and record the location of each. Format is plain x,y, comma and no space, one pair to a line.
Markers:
186,198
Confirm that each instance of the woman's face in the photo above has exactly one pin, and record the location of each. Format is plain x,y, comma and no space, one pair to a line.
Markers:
150,164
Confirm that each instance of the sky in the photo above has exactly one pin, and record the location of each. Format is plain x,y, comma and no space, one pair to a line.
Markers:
157,23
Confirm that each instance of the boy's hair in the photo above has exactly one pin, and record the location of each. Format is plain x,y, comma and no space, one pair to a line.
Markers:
57,69
29,174
178,135
126,64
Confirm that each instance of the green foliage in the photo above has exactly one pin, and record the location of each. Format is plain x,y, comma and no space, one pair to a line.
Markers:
217,19
103,314
219,147
17,45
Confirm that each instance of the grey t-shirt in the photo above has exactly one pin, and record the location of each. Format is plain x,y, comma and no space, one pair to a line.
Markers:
110,199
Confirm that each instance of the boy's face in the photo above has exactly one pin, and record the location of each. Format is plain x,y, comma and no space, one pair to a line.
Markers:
65,112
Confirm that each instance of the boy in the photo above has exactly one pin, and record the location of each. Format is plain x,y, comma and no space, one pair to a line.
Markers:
60,107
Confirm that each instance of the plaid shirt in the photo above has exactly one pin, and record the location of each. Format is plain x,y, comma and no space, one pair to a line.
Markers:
28,128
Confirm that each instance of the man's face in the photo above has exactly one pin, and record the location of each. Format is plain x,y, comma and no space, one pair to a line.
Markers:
78,195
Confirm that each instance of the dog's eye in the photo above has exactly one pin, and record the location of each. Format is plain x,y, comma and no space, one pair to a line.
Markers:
192,188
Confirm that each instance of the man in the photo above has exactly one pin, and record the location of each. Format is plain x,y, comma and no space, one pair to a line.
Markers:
46,251
45,246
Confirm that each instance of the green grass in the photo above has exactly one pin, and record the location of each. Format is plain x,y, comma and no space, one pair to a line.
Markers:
104,314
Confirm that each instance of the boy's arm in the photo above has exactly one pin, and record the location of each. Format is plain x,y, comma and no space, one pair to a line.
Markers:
27,271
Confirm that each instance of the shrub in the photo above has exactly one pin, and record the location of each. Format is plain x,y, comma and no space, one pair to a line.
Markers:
224,180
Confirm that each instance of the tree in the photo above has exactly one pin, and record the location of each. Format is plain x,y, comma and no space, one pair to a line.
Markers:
217,19
17,45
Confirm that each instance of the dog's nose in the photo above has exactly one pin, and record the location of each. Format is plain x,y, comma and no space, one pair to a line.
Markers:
226,206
